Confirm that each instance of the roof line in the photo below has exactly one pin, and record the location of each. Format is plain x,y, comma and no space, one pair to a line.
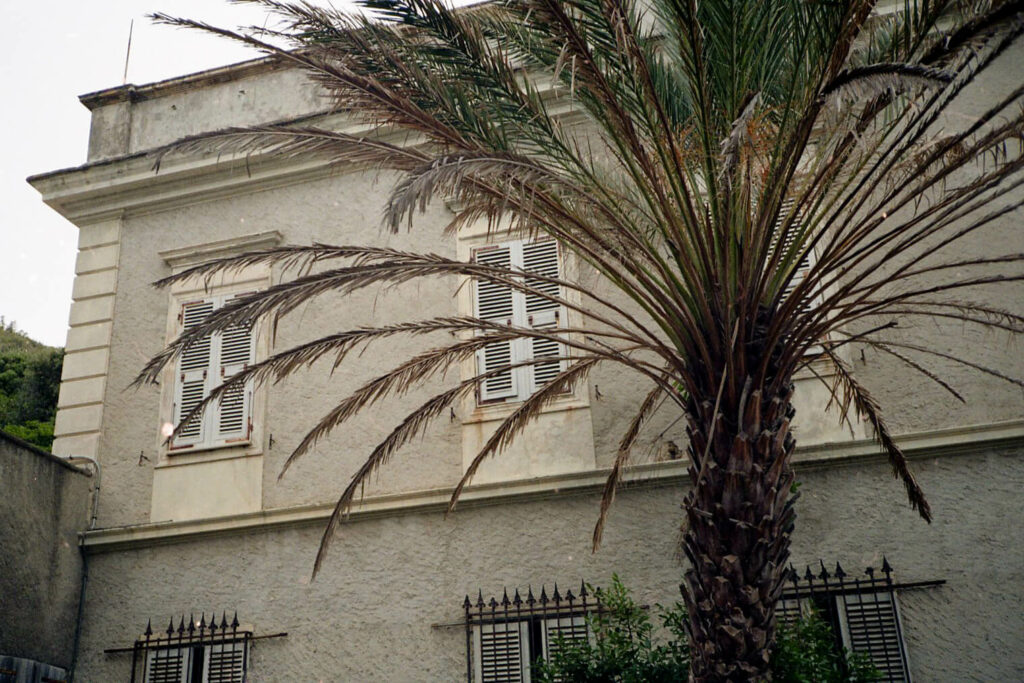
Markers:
221,74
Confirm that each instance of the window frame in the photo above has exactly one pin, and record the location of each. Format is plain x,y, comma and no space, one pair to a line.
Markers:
221,288
214,375
523,380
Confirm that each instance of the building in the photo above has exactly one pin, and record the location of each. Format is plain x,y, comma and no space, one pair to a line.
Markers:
205,527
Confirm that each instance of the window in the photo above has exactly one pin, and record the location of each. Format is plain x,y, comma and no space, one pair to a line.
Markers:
863,613
508,636
196,651
499,303
223,662
201,369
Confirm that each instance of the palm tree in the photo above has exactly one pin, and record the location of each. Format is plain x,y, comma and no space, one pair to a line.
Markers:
764,182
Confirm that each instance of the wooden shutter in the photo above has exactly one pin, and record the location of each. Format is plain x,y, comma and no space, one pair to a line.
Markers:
503,652
564,630
225,663
494,303
870,625
805,264
170,665
192,381
542,313
236,353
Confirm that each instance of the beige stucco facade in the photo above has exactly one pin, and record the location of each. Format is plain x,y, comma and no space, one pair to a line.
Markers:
225,512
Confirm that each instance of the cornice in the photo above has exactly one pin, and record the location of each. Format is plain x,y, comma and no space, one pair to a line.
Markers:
199,253
944,443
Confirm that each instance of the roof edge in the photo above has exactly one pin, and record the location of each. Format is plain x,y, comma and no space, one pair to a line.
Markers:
130,92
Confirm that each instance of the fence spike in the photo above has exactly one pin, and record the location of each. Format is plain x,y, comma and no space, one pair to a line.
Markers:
467,604
480,599
202,621
543,596
824,572
886,567
191,623
223,620
234,621
505,602
170,627
149,629
583,590
569,596
530,600
493,604
516,600
556,597
808,576
181,625
840,574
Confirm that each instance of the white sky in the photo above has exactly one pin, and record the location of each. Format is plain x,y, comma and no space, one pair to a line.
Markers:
53,51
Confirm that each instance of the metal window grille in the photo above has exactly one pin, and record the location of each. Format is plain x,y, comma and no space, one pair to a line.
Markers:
196,651
505,637
863,612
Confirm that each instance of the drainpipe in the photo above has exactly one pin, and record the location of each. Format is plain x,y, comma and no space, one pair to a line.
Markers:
85,558
96,489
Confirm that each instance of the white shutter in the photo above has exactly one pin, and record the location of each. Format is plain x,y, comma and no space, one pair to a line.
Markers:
805,264
224,663
564,630
192,380
170,665
503,652
236,353
870,625
542,313
494,303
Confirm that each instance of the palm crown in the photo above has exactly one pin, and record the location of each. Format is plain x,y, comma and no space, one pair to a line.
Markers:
764,183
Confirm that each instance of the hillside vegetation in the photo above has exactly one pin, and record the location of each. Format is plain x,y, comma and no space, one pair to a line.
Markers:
29,383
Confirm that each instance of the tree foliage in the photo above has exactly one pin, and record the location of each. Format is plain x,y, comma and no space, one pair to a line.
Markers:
759,181
29,385
625,648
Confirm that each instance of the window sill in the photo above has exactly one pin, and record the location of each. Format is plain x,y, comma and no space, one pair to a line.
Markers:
499,411
208,454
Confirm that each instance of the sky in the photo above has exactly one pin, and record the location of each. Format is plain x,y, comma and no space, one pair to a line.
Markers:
54,51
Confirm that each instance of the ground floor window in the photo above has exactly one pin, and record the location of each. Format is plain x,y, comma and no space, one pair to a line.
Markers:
505,637
195,651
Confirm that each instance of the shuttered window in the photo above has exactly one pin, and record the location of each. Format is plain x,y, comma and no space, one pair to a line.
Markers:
506,650
500,303
870,625
215,663
865,623
202,368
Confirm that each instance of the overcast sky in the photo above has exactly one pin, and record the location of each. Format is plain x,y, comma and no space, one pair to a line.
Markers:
54,51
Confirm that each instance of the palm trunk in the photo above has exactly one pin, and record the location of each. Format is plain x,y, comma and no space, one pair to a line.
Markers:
740,516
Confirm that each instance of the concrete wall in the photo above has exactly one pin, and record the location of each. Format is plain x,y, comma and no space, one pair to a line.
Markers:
386,603
45,503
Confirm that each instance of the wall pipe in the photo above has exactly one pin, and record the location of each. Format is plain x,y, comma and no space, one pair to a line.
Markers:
85,558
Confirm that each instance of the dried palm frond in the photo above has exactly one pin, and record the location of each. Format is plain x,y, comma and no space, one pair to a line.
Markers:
687,155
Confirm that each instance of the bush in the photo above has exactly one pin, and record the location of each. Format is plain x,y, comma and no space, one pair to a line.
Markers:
624,650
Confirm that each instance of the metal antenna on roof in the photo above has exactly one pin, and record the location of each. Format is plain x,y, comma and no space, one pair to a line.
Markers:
128,52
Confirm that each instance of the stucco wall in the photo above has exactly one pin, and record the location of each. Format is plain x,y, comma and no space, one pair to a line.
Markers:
371,615
344,208
45,503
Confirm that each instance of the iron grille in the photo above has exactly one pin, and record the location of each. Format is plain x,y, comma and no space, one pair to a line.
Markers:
863,612
506,636
196,651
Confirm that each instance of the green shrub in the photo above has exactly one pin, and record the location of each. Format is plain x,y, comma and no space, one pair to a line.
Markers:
624,649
